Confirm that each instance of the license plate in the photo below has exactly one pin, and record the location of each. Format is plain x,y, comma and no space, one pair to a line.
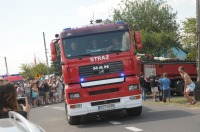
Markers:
106,107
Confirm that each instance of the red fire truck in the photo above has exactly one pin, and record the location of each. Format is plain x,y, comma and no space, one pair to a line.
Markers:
99,67
170,67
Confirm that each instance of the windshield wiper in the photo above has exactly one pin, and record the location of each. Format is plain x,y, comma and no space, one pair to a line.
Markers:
100,52
115,51
88,54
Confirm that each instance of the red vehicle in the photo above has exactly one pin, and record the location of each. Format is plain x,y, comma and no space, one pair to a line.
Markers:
99,69
15,78
171,67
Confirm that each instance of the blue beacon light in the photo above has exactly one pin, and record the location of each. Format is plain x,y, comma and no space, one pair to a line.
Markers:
82,79
122,74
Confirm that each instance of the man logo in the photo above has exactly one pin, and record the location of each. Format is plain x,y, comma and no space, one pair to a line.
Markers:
101,69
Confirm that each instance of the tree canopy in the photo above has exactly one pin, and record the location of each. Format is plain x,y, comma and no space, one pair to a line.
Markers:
188,37
30,70
156,21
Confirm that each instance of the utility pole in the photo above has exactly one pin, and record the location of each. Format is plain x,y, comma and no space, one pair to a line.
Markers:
6,65
45,48
197,91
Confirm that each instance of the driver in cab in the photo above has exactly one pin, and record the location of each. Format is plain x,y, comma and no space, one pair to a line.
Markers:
115,45
74,50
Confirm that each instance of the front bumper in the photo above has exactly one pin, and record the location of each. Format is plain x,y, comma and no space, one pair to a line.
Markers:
86,107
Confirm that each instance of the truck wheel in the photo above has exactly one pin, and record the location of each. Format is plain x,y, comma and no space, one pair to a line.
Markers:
180,88
134,111
72,120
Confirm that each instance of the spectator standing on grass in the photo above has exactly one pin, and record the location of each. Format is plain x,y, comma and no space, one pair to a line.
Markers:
165,82
142,84
154,85
189,85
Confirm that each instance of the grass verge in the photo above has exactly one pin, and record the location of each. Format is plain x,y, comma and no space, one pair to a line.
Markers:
177,101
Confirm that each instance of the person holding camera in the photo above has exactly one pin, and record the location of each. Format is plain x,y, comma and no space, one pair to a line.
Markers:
8,101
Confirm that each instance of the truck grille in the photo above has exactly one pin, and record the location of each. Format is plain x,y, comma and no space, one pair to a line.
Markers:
104,91
105,102
96,70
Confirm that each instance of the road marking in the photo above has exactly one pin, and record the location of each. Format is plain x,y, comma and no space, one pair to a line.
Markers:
55,107
115,122
135,129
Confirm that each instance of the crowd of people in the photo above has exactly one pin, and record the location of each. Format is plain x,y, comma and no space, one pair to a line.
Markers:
41,91
163,84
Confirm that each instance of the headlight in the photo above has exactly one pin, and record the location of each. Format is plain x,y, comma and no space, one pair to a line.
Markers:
74,95
133,87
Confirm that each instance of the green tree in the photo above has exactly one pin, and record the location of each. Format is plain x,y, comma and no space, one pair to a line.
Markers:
156,21
25,71
30,70
188,37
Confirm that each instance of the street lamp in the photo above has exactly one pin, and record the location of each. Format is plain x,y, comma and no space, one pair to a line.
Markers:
5,64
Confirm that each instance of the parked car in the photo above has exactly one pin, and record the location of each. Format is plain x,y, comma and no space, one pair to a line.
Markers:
17,123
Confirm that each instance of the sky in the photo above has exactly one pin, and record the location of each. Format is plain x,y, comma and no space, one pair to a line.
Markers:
22,23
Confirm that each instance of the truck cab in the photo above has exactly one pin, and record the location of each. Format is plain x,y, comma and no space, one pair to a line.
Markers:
100,69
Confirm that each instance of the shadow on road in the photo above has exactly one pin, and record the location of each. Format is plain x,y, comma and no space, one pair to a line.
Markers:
147,116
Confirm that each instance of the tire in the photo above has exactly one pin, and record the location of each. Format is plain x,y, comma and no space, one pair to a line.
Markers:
134,111
72,120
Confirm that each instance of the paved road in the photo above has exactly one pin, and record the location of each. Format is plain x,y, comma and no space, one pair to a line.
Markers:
155,118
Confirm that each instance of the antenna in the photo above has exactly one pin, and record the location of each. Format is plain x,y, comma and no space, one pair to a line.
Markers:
109,13
93,15
91,21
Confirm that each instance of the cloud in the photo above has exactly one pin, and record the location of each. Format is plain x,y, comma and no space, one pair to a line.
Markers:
102,9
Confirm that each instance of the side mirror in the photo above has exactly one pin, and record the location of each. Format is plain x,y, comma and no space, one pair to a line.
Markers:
53,51
138,40
139,46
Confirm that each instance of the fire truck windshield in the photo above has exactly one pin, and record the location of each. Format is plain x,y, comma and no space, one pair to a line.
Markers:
96,44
